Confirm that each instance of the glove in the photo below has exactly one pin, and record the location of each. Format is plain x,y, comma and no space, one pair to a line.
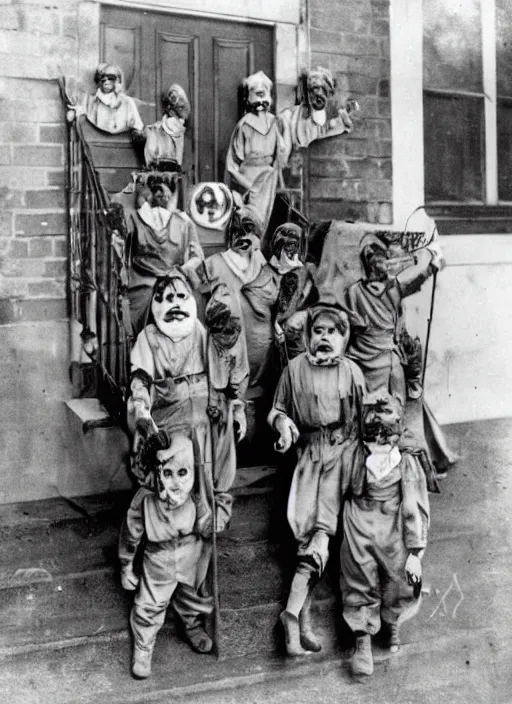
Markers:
239,421
288,433
413,570
129,579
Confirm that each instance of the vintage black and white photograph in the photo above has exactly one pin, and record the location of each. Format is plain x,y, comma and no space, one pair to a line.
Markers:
256,335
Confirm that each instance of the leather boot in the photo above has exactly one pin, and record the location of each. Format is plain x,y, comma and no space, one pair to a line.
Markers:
141,663
198,639
362,660
308,640
291,634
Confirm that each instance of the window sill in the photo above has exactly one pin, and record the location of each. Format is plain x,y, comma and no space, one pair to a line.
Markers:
471,219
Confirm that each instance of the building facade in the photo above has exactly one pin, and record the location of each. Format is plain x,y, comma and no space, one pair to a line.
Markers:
380,53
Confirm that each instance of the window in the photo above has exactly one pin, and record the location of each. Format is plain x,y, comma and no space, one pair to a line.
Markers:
467,101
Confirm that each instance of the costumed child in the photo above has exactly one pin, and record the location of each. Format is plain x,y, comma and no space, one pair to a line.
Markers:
317,405
165,519
109,109
384,534
171,389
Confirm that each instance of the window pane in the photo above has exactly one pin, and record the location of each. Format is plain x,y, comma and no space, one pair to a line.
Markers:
452,44
453,139
504,46
504,150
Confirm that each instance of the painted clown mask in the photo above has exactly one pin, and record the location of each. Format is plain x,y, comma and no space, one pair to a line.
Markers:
258,89
327,333
175,472
173,307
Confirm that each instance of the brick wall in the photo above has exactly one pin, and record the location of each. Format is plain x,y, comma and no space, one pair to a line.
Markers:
350,177
39,40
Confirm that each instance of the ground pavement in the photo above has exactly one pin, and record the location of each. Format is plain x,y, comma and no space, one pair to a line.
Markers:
457,650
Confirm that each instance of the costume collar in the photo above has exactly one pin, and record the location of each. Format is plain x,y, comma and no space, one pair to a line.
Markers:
263,126
245,270
284,264
173,126
156,218
111,100
382,460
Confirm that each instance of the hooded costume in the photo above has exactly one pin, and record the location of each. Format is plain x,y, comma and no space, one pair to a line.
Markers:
165,519
112,112
159,238
255,152
165,140
297,290
319,399
303,124
376,308
383,524
170,390
254,290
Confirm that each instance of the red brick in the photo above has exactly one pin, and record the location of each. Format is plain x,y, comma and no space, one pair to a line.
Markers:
55,268
344,43
329,168
54,199
5,155
14,311
10,199
53,133
339,210
41,247
47,289
18,248
379,190
56,178
6,221
60,246
37,224
36,155
327,189
21,177
17,132
29,268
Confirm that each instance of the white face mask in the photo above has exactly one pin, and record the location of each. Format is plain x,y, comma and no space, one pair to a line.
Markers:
326,341
176,481
176,313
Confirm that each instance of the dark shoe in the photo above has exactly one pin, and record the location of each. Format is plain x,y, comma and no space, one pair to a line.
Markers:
362,660
308,640
394,637
198,639
291,634
141,663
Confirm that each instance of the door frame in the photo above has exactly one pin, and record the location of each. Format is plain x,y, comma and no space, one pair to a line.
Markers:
289,18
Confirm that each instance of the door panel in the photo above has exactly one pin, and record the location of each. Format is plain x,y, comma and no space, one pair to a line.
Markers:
230,57
209,58
176,59
123,50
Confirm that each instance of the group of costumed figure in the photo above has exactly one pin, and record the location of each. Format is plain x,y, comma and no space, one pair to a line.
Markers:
213,333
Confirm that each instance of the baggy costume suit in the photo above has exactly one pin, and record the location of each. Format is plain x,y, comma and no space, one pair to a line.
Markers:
381,526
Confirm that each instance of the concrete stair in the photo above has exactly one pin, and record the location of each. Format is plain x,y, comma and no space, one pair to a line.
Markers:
61,600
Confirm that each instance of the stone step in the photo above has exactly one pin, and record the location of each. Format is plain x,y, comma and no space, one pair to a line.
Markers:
59,580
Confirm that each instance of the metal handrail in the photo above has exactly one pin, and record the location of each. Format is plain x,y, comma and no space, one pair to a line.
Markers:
98,273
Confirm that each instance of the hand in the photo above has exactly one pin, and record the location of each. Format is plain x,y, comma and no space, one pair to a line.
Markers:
129,579
146,427
239,422
288,434
344,119
413,570
278,334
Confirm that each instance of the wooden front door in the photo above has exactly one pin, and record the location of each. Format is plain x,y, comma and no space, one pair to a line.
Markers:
208,58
